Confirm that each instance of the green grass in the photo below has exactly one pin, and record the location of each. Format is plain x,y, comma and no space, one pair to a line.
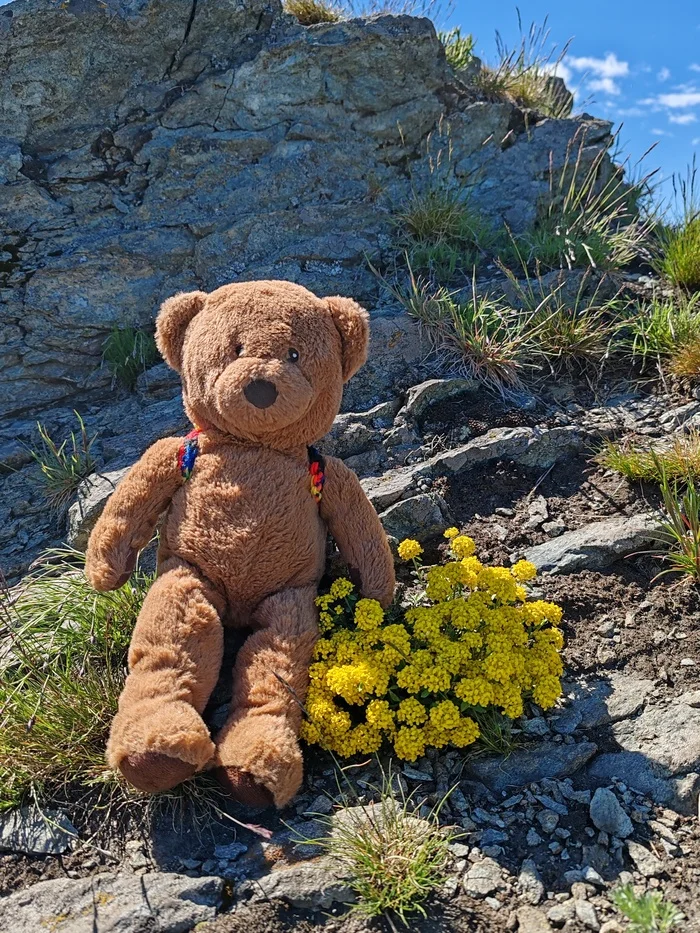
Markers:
647,913
312,12
63,466
459,49
586,220
525,73
680,532
679,243
661,331
394,860
575,330
479,336
677,461
127,353
62,666
441,233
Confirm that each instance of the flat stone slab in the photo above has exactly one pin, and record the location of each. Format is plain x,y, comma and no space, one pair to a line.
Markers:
659,755
595,546
309,885
529,765
594,703
36,832
110,903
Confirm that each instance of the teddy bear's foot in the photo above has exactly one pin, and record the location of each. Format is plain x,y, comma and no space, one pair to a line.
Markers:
157,744
243,787
154,771
259,759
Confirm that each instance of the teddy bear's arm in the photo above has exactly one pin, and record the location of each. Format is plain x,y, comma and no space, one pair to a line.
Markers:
129,518
355,525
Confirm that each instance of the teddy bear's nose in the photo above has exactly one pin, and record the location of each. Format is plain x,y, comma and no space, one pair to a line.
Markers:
260,393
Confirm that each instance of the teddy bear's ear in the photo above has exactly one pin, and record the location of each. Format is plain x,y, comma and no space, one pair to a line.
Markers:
352,322
171,324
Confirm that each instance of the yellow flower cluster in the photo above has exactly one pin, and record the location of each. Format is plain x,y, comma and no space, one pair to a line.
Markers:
424,676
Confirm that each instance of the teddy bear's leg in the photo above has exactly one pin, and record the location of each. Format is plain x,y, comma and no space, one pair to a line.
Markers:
158,737
259,757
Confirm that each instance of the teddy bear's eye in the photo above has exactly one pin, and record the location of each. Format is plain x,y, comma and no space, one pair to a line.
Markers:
293,355
239,349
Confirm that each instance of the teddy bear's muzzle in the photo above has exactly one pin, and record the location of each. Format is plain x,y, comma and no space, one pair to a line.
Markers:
261,393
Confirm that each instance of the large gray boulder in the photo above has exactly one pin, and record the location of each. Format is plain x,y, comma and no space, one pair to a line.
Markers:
148,147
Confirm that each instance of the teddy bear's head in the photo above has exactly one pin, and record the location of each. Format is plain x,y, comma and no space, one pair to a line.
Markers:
263,361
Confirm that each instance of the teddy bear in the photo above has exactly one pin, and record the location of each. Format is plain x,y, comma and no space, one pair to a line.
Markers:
247,504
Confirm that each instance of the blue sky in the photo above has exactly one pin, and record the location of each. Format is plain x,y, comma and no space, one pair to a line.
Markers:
636,63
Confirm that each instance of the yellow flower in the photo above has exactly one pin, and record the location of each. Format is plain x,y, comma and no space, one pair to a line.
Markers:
438,585
368,614
476,691
445,715
465,733
409,549
411,711
523,571
409,743
450,533
462,546
341,588
379,715
470,638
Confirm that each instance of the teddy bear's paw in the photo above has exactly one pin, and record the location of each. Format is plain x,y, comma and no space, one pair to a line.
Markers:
243,787
154,771
155,742
259,752
110,575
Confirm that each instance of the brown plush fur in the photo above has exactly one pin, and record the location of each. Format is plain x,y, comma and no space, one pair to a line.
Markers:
243,541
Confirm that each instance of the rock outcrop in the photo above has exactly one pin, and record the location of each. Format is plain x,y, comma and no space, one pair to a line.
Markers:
147,147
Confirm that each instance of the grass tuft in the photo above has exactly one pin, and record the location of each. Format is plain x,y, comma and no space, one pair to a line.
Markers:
312,12
62,666
586,220
679,461
479,336
63,467
575,331
459,49
680,533
647,913
128,352
526,73
393,859
441,234
660,332
679,258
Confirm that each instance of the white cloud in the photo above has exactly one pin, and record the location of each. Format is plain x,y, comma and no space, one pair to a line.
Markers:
600,72
696,141
683,99
694,67
664,74
682,118
678,100
658,132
